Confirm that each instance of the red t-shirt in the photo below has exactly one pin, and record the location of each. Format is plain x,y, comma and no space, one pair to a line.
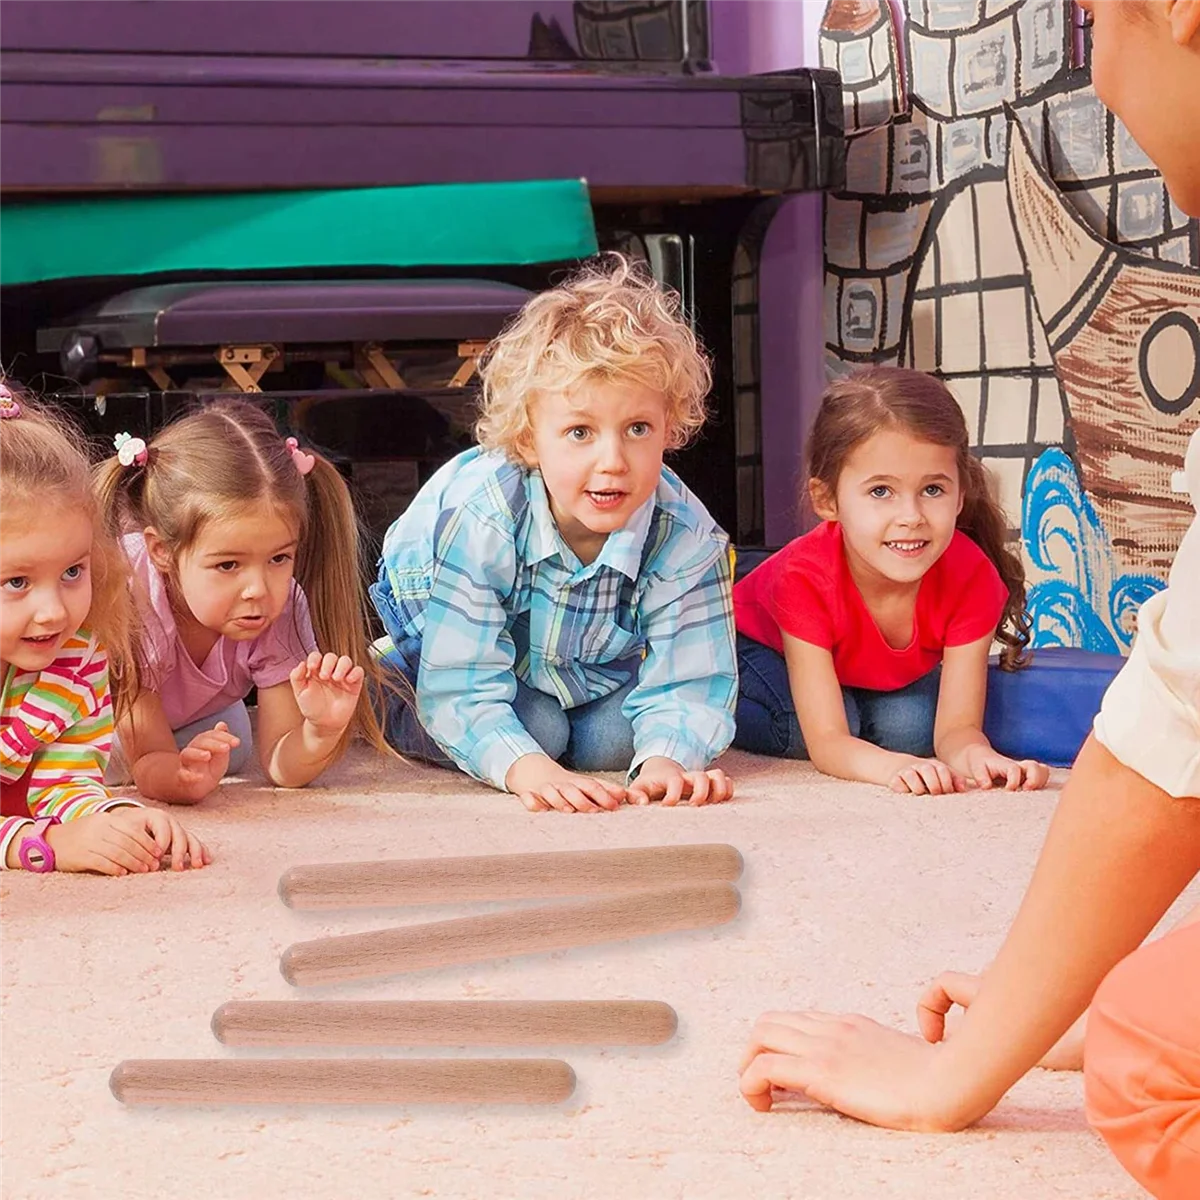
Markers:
806,590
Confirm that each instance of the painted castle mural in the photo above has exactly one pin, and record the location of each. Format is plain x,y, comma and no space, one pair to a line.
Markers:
1001,229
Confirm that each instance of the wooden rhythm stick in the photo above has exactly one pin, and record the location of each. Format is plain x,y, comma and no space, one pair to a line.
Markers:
342,1081
444,1023
499,935
506,876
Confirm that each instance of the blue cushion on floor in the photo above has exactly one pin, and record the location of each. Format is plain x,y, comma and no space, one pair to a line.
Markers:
1046,710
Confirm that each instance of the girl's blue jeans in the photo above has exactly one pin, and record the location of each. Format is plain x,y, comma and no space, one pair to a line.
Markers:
593,737
766,715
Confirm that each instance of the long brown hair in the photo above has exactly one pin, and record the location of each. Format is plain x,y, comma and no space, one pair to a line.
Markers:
44,462
874,398
218,459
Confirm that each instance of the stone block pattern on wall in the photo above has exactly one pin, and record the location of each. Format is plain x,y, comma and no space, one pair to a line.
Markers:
926,267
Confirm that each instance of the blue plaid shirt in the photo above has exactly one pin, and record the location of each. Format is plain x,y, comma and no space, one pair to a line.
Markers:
476,579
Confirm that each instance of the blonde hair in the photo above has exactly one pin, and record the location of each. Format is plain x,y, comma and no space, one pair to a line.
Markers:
611,323
44,459
213,463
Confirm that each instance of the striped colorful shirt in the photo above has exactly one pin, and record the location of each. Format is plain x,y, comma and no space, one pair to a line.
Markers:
476,579
56,729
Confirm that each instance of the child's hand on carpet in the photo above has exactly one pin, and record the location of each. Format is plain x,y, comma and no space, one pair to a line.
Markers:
956,987
124,841
927,777
664,779
541,784
173,841
983,765
849,1063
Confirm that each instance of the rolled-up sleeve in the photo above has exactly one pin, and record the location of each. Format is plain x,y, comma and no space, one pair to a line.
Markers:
466,683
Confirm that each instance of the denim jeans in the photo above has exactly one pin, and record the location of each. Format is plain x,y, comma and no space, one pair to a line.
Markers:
235,716
766,715
593,737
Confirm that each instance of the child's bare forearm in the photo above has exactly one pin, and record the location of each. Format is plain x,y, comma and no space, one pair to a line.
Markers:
954,743
300,755
847,757
157,777
1119,851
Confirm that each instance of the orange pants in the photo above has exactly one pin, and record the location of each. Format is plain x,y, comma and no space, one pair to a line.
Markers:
1142,1064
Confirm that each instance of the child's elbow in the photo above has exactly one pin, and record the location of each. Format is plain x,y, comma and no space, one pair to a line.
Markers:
824,752
181,799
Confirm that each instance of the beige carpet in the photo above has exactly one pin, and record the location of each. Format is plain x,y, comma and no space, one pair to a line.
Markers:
852,899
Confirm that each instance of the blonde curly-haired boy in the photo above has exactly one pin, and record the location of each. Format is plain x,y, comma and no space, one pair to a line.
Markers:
557,600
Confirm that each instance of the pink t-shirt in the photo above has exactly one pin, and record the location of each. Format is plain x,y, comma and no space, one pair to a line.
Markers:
189,692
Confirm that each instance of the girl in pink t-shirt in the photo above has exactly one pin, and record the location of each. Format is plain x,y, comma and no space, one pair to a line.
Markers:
231,531
863,645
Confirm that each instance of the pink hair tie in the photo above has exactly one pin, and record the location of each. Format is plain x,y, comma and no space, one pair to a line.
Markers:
304,462
9,407
130,450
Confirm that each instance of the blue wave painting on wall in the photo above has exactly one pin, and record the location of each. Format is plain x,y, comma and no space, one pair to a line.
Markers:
1080,601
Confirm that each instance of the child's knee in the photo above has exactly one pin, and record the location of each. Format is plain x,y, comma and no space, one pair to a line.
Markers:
1142,1064
602,741
544,720
763,729
902,721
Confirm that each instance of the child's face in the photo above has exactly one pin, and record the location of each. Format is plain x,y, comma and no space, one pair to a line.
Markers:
236,577
1146,68
600,452
45,582
897,501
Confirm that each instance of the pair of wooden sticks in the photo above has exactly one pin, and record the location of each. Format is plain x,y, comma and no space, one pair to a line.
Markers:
656,889
645,903
394,1023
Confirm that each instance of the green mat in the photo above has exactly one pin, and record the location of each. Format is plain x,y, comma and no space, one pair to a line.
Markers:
471,224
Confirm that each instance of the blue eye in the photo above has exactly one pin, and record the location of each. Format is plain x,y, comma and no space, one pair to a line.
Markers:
639,429
935,489
71,574
578,433
880,491
18,583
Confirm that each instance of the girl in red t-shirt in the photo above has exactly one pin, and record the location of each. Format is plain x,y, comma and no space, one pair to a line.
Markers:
863,645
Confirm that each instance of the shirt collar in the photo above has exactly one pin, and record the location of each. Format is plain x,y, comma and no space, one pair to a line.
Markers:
542,539
622,551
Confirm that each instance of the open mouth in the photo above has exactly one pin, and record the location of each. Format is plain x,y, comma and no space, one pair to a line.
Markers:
250,622
43,640
907,549
606,499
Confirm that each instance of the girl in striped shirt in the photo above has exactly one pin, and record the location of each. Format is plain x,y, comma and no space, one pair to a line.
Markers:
63,599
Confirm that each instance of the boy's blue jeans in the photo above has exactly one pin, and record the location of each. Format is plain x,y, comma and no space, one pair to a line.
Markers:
766,716
593,737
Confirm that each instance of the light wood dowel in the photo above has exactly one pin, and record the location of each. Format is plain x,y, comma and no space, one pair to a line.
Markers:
506,876
444,1023
342,1081
499,935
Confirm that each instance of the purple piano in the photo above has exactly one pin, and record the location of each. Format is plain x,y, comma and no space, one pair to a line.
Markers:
160,99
